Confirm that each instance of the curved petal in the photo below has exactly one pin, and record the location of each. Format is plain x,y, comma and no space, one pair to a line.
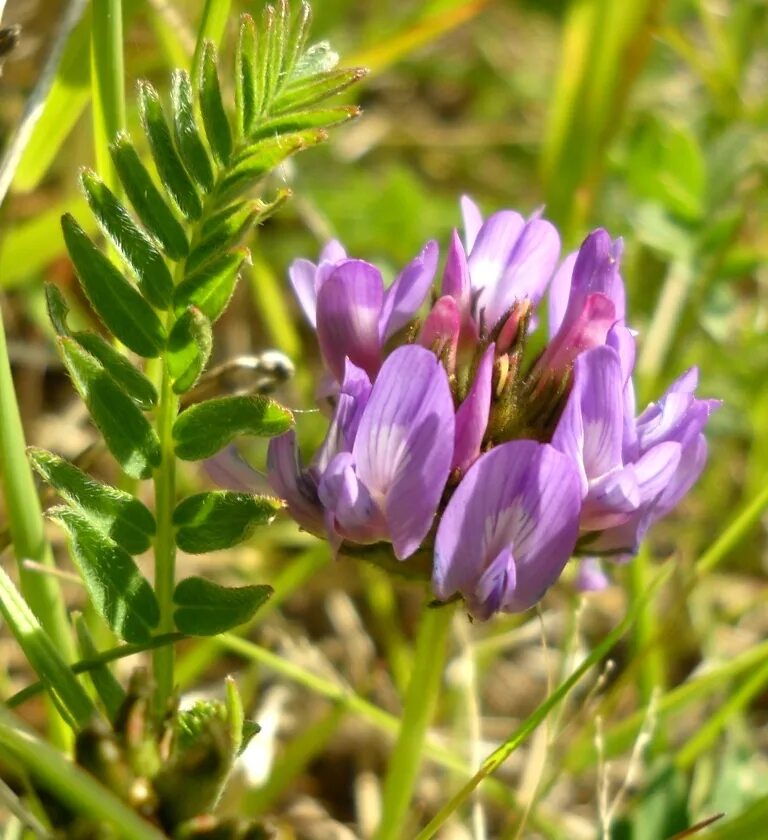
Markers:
350,404
229,470
440,332
293,484
407,293
456,275
490,253
523,496
472,415
559,292
356,515
473,221
591,577
302,274
348,307
496,586
404,443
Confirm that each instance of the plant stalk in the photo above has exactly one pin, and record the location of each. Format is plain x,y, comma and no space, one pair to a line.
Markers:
420,704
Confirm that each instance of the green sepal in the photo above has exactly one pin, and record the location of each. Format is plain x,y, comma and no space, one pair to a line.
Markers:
220,519
304,120
210,287
257,161
150,206
187,134
245,76
189,348
120,306
135,247
207,609
129,378
305,92
118,590
215,118
203,429
114,513
127,432
169,166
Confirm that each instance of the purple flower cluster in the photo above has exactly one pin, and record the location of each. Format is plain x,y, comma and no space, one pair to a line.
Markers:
446,438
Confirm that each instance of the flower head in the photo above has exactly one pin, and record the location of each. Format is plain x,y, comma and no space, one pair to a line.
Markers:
447,439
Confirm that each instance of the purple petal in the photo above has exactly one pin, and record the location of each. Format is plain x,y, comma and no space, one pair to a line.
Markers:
527,272
473,221
228,469
456,281
496,586
490,253
692,460
591,577
559,292
293,484
472,415
405,442
407,293
350,404
356,516
440,332
333,252
348,308
302,275
523,496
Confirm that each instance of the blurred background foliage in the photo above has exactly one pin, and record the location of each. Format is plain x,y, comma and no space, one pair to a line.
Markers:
644,117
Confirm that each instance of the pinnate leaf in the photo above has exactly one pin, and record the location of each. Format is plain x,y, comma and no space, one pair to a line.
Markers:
119,305
136,248
203,429
120,593
206,609
189,348
114,513
126,430
220,519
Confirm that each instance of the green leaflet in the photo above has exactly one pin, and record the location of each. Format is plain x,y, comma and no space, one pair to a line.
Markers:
120,593
150,206
189,348
246,85
303,120
169,166
186,133
209,288
126,430
134,245
131,380
314,89
215,119
205,428
220,519
206,609
119,305
114,513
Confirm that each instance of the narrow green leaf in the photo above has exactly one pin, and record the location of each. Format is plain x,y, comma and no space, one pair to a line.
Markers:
43,655
203,429
276,35
220,519
169,166
315,89
189,348
58,309
120,593
223,231
209,288
245,76
136,248
262,158
215,119
262,62
297,39
206,609
303,120
126,430
107,687
123,310
114,513
188,140
150,206
129,378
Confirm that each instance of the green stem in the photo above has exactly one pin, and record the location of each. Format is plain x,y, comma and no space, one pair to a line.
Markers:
212,25
107,83
165,541
645,642
420,704
25,520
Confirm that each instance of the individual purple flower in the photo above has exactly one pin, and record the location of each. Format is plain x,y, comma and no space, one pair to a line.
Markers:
354,315
383,468
590,576
509,529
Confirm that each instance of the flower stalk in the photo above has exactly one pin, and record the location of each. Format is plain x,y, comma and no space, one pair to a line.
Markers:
420,704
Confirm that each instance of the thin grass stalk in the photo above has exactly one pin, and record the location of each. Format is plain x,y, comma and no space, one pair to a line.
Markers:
420,704
212,25
25,519
107,84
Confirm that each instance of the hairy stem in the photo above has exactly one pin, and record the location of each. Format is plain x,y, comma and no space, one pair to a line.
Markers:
420,703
